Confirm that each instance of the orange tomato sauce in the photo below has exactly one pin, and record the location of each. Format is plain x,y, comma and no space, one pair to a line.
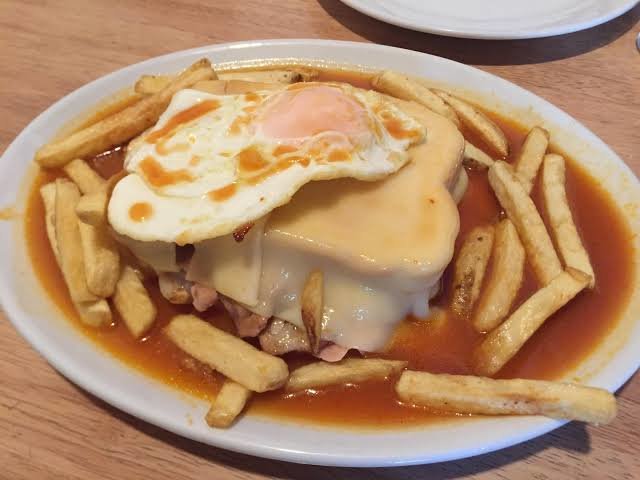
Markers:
442,345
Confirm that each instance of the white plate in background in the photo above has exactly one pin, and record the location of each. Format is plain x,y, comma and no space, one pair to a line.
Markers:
494,19
42,324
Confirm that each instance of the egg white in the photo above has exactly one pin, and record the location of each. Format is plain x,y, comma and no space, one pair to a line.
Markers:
183,212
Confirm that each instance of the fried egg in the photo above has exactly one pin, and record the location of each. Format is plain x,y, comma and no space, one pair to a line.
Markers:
215,163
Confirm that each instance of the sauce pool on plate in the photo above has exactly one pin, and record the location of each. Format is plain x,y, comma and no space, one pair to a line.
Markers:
442,344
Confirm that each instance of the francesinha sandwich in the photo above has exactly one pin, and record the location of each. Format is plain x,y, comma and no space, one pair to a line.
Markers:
237,198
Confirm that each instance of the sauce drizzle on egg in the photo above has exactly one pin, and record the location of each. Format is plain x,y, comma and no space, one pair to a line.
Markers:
223,193
140,211
339,156
397,130
251,160
157,176
181,118
277,167
238,123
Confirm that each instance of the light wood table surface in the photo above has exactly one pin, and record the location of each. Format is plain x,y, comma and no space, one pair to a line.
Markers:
50,429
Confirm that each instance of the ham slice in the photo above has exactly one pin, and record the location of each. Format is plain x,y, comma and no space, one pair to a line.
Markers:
203,297
175,288
332,353
281,337
247,324
250,326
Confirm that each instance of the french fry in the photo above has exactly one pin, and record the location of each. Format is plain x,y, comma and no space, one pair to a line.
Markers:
500,345
228,404
48,194
350,370
312,306
95,313
263,76
524,215
236,359
85,177
476,158
233,87
470,268
403,87
150,84
101,259
222,86
68,240
133,303
486,396
561,221
478,122
528,162
506,278
122,126
92,207
216,87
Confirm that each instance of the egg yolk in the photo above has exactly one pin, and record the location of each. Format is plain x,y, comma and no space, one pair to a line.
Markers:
312,110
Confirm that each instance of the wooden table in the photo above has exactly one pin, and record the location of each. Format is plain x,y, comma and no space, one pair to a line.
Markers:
50,429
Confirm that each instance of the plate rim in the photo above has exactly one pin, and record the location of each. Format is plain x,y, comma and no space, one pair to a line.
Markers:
536,425
365,7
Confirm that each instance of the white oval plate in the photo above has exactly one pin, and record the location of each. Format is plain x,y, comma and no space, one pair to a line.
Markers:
40,322
497,19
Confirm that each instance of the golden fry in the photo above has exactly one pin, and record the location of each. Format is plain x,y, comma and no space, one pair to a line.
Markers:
228,404
233,87
478,122
221,86
236,359
95,313
215,87
92,207
476,158
500,345
85,177
133,302
506,278
150,84
561,221
530,157
470,268
403,87
48,194
264,76
524,215
350,370
486,396
101,259
312,302
122,126
68,240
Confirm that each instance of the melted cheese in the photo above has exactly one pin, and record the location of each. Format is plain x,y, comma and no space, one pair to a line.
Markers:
233,268
382,246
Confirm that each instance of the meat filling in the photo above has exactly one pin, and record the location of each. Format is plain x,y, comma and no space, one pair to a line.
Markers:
277,337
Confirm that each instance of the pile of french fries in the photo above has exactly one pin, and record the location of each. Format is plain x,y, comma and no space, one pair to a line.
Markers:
101,273
90,259
488,303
